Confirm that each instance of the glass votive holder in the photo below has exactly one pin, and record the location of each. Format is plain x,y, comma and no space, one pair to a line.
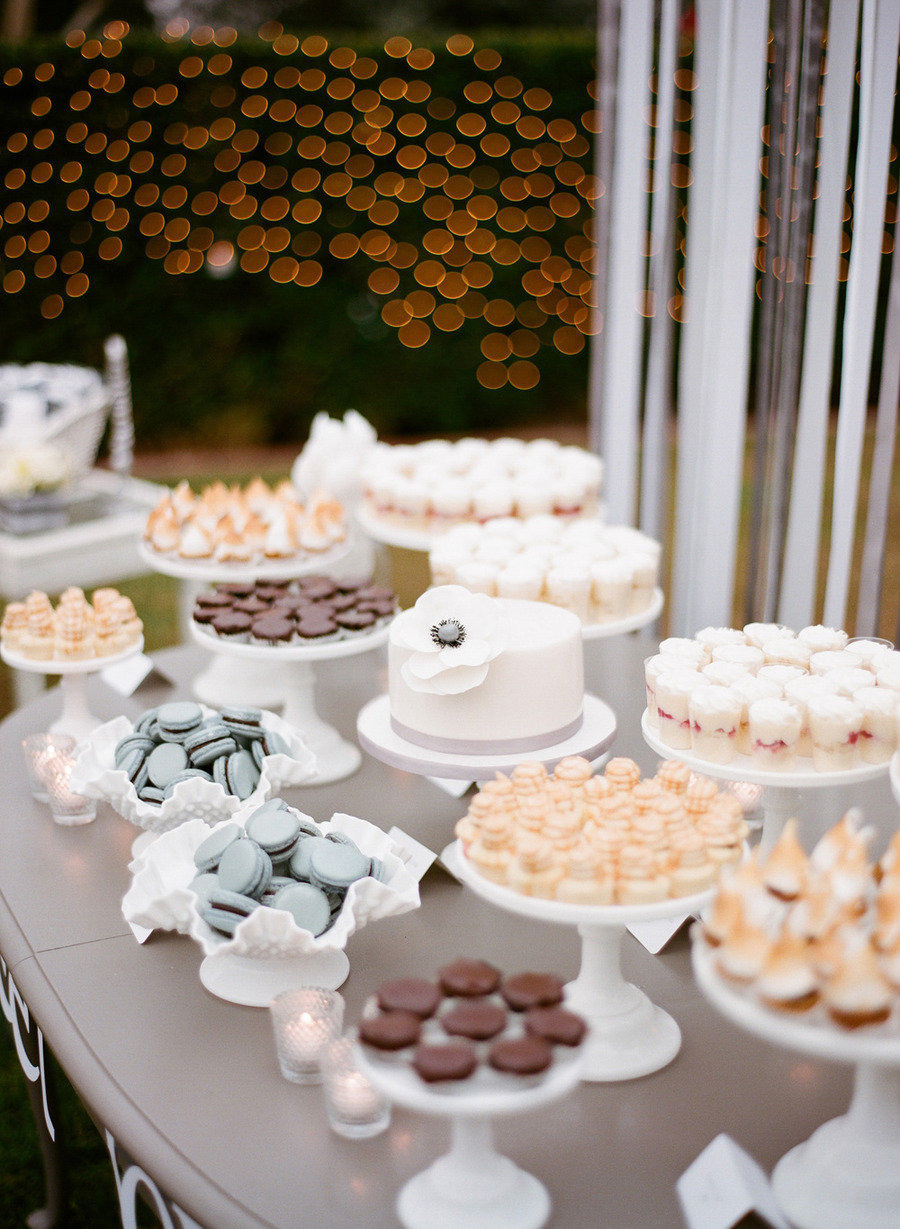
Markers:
356,1108
39,749
68,809
304,1022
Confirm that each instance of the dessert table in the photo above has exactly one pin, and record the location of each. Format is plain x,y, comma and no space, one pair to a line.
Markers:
186,1090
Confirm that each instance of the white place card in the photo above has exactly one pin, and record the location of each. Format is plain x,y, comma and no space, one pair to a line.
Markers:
455,789
723,1185
415,856
126,676
655,935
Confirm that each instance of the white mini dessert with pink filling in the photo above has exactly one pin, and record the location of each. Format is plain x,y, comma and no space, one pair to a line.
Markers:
786,651
799,691
877,735
653,668
673,691
688,651
838,659
723,673
780,673
819,639
744,655
712,637
747,690
715,714
758,633
834,723
869,653
848,680
774,727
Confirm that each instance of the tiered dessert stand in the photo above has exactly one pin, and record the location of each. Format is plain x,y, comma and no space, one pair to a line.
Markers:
630,1036
845,1175
293,666
472,1186
783,791
225,681
76,718
377,736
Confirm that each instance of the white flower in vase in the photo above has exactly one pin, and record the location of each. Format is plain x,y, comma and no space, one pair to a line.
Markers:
452,636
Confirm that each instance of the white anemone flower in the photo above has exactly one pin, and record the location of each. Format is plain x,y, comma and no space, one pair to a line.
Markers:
452,635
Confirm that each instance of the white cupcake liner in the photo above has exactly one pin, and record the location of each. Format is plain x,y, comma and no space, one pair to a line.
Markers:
159,897
96,776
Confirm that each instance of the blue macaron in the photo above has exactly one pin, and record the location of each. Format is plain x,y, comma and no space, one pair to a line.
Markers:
147,723
209,852
178,718
187,774
307,905
150,793
132,742
269,744
277,831
165,762
240,773
302,856
245,868
244,721
208,742
225,910
335,866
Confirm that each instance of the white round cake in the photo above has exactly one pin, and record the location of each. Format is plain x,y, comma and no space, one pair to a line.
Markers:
473,674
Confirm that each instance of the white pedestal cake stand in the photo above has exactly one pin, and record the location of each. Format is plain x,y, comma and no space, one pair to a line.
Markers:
224,681
254,981
76,718
782,790
294,664
630,623
895,775
846,1175
472,1186
630,1036
376,735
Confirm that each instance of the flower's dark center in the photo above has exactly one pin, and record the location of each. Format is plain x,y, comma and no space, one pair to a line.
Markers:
448,634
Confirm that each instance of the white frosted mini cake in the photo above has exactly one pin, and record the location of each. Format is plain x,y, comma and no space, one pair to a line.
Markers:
473,674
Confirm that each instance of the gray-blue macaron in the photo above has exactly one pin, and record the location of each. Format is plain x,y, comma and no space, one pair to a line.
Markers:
208,853
269,744
246,868
225,910
208,742
130,743
165,762
277,831
150,793
241,774
177,718
308,906
245,721
302,855
335,866
187,774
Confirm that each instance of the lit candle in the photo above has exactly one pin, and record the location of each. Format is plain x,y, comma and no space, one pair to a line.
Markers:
304,1021
355,1098
356,1108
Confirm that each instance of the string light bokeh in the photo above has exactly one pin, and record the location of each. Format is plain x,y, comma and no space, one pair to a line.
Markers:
467,211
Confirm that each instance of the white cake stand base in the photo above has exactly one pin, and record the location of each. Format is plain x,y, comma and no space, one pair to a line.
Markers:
845,1176
242,673
254,982
630,1036
76,718
782,791
473,1187
377,736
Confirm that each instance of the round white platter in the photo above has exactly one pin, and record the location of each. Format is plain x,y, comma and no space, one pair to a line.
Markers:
391,534
76,718
630,1036
631,623
292,669
472,1186
782,796
377,736
845,1175
327,650
745,768
212,570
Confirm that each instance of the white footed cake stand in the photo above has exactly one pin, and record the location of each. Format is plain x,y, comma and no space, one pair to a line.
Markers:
76,718
224,681
783,791
473,1186
377,736
630,1036
294,665
895,775
628,623
846,1175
